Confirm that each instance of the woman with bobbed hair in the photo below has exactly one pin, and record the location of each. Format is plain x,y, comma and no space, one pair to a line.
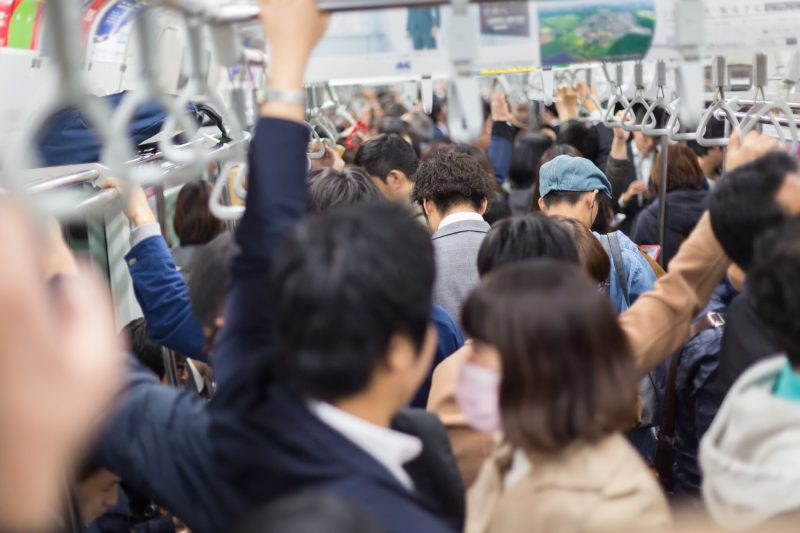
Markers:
687,198
194,223
552,370
593,259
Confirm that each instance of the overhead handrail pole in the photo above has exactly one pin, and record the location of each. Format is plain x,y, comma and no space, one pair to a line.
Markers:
719,75
584,115
689,39
465,110
765,112
617,97
65,180
629,122
62,39
650,121
119,150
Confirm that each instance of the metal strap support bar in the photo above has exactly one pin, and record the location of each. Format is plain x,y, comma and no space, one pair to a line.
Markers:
465,111
82,176
689,34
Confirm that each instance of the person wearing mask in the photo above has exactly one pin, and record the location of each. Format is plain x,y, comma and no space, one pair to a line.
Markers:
570,187
541,331
750,455
750,200
454,191
391,163
193,222
517,239
686,202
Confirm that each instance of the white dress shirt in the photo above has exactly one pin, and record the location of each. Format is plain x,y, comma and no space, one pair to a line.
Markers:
460,217
643,163
390,448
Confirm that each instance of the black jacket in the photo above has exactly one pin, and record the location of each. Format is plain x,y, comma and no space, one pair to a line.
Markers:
684,209
744,343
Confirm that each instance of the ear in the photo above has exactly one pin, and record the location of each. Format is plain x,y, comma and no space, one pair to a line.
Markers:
542,206
400,354
427,206
219,321
484,206
395,179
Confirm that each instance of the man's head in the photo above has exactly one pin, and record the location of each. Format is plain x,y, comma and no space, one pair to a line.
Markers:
570,187
209,283
525,238
96,491
752,199
352,297
391,163
774,288
710,156
581,137
450,182
147,352
328,189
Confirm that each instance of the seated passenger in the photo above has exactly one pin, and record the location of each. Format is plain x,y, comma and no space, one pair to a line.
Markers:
542,332
454,191
193,223
750,455
686,202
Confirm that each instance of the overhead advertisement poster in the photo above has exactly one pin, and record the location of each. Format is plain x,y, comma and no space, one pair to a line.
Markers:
403,43
579,32
735,27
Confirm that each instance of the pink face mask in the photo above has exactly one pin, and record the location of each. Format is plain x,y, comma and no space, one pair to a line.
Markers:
478,397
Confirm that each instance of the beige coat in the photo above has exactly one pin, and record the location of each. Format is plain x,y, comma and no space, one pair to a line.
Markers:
600,487
656,325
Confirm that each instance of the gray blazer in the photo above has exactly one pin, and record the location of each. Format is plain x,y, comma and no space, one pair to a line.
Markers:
456,249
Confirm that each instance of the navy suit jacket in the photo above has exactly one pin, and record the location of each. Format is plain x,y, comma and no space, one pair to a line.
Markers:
266,442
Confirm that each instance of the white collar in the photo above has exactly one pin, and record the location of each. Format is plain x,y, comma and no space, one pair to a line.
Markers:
459,217
638,154
390,448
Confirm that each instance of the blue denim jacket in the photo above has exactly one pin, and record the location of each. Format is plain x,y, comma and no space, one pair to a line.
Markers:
640,275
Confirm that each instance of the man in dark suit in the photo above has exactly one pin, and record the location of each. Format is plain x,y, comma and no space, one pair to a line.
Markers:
315,359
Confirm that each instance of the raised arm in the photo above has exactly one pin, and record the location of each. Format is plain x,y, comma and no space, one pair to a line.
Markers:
276,200
501,143
658,323
159,288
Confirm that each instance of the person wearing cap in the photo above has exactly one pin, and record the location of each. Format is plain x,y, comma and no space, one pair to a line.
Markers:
570,187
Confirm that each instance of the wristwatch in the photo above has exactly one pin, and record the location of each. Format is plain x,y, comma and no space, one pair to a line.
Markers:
273,94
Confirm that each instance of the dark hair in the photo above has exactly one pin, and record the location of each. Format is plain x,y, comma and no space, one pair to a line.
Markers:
474,152
773,286
329,188
549,154
593,258
497,209
743,204
450,178
683,170
714,130
345,282
147,352
208,285
563,197
437,107
525,238
308,512
193,221
528,150
385,153
397,126
583,138
568,371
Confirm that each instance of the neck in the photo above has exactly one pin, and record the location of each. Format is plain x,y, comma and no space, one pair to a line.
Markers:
460,208
570,211
708,167
368,406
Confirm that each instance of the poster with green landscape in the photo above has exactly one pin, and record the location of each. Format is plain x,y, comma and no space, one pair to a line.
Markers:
576,32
